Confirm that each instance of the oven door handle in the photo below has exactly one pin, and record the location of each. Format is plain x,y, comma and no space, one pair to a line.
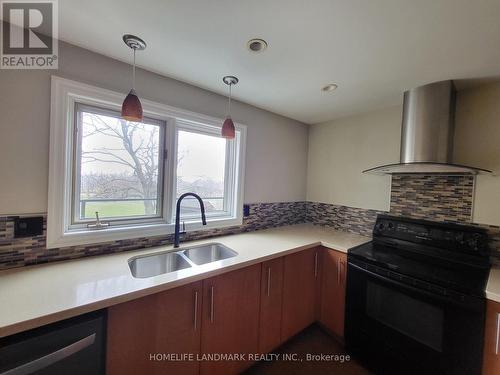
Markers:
413,289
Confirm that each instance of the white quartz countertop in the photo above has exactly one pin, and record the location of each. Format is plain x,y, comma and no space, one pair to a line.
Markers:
33,296
493,287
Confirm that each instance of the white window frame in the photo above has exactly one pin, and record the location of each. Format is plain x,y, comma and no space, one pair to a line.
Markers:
230,168
162,212
64,95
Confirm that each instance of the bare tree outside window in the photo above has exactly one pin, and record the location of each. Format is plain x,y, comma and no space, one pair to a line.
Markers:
119,167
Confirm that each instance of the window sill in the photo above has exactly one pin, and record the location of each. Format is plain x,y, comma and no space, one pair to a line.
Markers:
93,236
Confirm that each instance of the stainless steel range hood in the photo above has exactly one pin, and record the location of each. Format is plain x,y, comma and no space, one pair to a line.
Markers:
427,133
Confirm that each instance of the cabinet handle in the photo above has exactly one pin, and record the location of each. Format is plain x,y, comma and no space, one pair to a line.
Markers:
338,272
316,264
268,281
342,267
498,334
195,309
211,304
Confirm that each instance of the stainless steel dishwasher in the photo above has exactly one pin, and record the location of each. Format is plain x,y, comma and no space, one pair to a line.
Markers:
75,346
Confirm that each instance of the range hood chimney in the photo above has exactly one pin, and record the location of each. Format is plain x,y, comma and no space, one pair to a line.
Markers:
427,133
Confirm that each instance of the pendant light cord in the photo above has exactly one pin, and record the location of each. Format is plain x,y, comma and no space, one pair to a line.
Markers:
229,107
133,73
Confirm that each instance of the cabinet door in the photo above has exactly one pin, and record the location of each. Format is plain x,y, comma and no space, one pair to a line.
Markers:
230,322
271,293
491,361
333,284
300,279
166,322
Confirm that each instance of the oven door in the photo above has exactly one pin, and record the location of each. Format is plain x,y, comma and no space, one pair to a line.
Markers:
400,328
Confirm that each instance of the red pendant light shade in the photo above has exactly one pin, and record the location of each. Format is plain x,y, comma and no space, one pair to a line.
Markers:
228,130
132,107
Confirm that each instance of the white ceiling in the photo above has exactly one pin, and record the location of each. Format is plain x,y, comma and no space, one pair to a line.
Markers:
373,49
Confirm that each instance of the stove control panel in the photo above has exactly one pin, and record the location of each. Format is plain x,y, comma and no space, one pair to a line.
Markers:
450,236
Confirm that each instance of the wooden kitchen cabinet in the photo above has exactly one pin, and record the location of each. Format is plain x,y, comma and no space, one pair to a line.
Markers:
271,297
333,284
300,282
250,310
166,322
491,359
230,322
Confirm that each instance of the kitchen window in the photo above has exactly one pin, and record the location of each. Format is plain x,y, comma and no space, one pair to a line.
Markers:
202,165
131,174
118,167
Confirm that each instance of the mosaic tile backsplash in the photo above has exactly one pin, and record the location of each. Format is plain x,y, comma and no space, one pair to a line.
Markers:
440,198
344,218
17,252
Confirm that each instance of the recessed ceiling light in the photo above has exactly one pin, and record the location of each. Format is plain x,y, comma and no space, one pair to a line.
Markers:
256,45
329,87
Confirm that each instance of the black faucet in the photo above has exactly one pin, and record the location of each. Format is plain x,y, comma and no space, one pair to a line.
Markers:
178,216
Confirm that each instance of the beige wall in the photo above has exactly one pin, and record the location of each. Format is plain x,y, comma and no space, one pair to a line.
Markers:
341,149
477,143
276,146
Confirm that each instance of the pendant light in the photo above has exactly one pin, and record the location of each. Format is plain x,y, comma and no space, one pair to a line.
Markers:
228,130
132,107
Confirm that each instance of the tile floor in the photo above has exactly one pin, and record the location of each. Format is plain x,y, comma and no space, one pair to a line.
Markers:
311,341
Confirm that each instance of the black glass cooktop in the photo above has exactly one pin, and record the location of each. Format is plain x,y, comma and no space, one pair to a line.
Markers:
450,255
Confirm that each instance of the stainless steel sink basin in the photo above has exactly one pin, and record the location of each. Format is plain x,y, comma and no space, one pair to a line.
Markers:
156,264
208,253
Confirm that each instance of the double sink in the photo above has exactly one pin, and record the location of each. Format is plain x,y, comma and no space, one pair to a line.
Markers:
156,264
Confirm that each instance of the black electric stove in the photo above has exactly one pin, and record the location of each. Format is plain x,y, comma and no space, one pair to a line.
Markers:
415,297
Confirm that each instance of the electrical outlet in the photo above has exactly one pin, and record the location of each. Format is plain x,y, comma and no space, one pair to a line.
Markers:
28,226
